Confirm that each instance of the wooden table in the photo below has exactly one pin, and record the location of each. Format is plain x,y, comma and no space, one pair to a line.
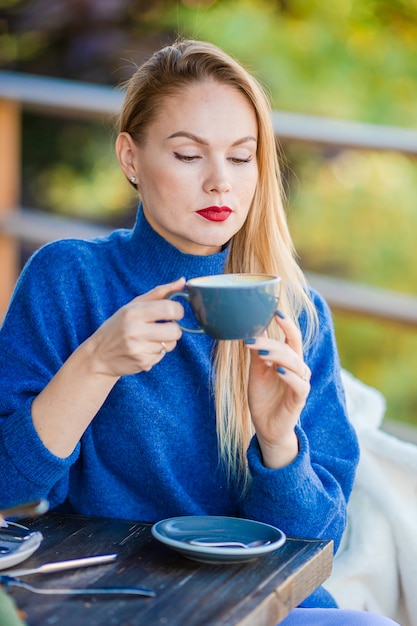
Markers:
260,592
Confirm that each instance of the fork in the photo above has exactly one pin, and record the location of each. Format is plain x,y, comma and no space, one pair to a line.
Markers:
10,581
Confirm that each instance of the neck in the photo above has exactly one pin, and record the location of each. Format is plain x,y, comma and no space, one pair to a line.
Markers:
150,253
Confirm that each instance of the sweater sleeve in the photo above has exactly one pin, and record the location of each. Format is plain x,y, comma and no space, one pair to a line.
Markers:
35,339
308,498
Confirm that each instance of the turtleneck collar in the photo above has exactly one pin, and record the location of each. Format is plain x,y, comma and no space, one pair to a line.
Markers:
150,254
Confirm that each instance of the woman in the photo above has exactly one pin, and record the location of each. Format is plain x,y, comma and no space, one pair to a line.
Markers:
111,412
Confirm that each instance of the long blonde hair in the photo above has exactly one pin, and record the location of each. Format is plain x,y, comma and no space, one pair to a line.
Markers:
262,245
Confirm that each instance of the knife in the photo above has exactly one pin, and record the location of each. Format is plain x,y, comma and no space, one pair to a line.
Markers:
59,566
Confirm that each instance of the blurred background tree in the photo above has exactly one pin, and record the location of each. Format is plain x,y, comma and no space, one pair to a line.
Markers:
352,213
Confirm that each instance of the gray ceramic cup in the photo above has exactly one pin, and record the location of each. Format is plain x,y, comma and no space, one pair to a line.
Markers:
231,306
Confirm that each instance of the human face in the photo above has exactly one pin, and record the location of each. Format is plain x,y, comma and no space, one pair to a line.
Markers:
197,171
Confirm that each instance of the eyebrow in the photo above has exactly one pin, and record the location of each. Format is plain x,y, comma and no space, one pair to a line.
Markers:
203,142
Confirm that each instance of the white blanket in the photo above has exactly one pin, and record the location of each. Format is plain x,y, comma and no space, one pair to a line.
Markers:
375,568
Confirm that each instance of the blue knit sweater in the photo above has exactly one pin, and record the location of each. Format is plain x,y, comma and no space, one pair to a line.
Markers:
151,451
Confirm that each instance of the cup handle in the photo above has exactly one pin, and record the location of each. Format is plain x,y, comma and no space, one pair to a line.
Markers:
186,296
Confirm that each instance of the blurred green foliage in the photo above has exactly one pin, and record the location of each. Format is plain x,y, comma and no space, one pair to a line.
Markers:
353,213
347,58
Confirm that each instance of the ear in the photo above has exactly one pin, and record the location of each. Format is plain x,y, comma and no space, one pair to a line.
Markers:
125,151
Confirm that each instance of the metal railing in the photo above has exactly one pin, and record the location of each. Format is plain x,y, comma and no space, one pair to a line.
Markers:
51,96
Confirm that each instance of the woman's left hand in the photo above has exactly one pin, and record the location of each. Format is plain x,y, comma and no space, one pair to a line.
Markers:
279,384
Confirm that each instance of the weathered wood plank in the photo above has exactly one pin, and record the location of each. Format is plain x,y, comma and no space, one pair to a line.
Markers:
38,228
56,96
325,131
9,194
72,98
355,298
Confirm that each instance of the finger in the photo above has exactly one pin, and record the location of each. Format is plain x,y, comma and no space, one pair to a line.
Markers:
161,291
163,349
306,375
291,332
300,384
163,346
160,308
153,311
272,352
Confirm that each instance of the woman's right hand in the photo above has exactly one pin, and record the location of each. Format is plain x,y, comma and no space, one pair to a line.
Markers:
128,342
136,337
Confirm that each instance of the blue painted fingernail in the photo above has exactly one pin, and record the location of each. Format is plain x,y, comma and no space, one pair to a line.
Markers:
250,341
280,314
263,352
281,370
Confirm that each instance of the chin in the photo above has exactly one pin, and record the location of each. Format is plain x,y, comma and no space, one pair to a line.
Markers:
219,239
215,246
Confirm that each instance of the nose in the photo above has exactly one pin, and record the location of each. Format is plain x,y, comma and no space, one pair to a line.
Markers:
216,180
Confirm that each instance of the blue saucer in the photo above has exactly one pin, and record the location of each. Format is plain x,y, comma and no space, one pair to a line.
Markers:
177,532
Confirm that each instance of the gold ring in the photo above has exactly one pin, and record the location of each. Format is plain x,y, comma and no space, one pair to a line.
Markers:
163,349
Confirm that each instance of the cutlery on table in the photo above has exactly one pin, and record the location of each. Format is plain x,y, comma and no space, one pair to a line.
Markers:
10,581
15,534
59,566
207,543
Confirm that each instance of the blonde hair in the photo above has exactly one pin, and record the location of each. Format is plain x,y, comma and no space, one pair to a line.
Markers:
262,245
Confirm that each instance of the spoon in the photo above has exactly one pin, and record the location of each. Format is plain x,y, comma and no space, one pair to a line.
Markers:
229,544
9,581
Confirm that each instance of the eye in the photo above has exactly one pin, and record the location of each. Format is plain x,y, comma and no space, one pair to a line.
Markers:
186,158
240,161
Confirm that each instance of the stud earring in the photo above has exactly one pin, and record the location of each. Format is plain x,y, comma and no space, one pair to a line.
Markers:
133,179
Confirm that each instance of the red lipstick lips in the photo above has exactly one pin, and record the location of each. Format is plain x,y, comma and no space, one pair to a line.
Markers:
215,213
